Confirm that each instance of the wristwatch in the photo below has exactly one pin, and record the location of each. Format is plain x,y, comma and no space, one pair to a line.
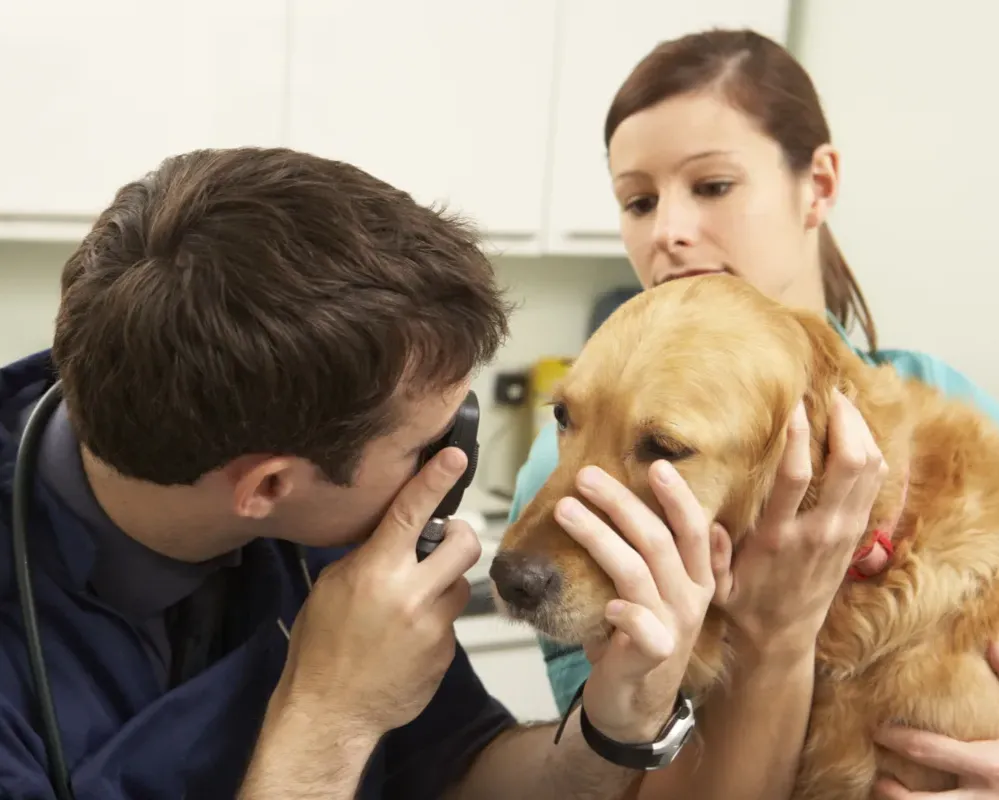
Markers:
645,756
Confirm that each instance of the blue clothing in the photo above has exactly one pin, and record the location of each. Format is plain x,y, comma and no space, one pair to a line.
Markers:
127,734
140,584
567,666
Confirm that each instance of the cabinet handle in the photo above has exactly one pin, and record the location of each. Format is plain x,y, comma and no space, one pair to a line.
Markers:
510,236
14,216
592,235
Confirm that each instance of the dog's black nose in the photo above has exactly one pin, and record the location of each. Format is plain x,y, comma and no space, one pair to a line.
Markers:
524,580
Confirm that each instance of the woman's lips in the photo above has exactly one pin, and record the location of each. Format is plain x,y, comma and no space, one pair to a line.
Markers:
689,273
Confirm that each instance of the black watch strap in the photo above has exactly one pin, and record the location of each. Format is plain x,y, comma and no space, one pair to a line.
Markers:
645,756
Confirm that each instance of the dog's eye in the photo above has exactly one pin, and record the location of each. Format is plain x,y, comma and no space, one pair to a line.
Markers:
561,416
654,448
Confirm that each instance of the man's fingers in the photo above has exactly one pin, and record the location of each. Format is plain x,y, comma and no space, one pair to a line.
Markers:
622,563
594,649
794,474
687,521
647,633
453,599
416,502
452,558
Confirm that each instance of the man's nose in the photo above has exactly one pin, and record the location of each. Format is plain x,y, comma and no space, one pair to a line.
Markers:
524,580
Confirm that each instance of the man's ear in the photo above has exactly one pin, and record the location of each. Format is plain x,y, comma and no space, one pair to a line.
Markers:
259,483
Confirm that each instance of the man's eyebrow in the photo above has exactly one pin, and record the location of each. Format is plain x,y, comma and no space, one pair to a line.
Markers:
441,432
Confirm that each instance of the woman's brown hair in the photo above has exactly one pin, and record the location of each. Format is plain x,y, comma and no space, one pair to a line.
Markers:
764,81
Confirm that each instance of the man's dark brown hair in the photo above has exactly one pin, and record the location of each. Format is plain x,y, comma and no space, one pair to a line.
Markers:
264,301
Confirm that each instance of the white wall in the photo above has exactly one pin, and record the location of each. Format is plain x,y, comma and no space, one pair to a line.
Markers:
909,90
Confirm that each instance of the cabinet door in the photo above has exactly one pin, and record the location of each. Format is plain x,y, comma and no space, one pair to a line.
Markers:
98,92
601,44
445,99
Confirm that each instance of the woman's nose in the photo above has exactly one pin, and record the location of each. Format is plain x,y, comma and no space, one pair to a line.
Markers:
676,226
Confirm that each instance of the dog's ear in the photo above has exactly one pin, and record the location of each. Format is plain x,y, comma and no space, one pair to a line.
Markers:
824,353
807,371
814,344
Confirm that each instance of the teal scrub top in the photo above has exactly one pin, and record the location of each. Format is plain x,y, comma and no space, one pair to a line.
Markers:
567,666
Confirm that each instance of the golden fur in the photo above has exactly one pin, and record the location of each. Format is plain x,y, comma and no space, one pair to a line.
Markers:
712,364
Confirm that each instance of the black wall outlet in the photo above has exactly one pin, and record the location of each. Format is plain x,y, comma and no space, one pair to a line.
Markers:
510,389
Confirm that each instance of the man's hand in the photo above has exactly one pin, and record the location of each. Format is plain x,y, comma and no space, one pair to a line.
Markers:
976,764
376,635
664,581
369,647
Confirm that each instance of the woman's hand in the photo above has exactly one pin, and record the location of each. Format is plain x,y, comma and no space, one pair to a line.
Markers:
788,569
664,582
976,764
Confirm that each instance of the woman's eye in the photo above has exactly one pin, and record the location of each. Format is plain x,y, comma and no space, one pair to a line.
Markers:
561,416
713,188
641,205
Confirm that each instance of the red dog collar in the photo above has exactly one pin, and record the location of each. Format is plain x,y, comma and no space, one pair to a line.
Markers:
883,537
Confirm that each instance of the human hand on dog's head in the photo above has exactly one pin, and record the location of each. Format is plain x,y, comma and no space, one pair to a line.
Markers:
787,570
665,583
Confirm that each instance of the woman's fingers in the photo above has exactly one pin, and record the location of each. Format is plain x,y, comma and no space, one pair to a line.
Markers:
721,562
848,457
994,656
937,751
793,475
865,491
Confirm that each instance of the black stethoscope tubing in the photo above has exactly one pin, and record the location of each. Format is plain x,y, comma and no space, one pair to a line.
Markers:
25,469
24,472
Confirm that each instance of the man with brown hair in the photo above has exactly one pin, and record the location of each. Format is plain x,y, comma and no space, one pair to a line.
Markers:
254,346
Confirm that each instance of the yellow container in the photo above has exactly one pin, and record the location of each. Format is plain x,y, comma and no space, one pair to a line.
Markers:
545,375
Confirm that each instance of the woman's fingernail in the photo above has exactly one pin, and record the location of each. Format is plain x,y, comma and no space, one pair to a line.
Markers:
615,608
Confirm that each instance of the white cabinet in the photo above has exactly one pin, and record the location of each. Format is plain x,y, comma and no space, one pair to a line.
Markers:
494,109
97,92
601,42
446,99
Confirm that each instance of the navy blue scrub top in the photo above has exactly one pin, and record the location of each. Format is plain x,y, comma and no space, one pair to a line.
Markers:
105,603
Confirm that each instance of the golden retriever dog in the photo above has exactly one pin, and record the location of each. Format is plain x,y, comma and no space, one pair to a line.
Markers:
710,369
